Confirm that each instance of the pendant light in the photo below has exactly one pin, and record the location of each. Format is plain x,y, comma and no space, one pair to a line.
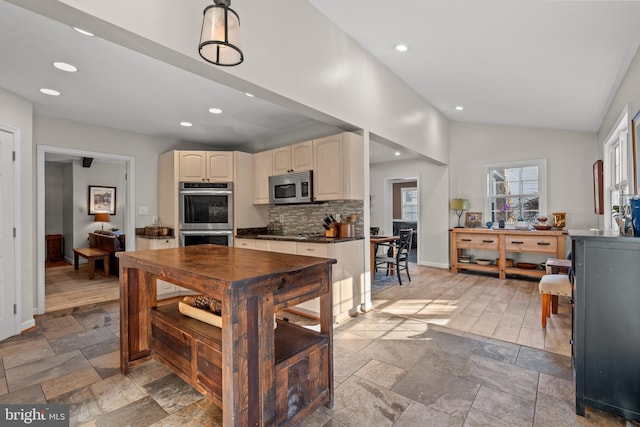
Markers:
220,39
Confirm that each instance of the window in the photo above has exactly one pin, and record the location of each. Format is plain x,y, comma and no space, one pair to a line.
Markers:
409,204
516,191
616,169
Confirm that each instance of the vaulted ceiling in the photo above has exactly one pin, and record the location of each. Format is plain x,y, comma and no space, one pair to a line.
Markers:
551,64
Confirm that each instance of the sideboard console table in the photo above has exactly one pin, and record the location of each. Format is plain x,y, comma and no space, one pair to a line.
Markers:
257,373
504,241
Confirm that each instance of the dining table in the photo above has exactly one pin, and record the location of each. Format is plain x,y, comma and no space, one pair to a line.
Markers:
374,242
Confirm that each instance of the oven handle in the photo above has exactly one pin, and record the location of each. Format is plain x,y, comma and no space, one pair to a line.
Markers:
206,192
206,232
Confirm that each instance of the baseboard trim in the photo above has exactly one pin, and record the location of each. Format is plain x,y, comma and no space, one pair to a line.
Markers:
434,264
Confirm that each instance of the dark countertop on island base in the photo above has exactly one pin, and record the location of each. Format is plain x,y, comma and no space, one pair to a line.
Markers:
297,238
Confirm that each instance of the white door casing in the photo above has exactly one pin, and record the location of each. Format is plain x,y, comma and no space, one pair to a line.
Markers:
8,287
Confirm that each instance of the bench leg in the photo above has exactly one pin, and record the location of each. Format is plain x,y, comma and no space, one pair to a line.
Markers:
76,257
92,267
554,304
545,309
106,265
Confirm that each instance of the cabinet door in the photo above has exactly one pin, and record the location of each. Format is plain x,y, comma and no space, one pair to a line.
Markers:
302,156
220,166
282,247
262,170
312,249
193,166
282,160
328,168
245,243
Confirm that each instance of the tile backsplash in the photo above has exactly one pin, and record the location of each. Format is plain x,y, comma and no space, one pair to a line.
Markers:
298,219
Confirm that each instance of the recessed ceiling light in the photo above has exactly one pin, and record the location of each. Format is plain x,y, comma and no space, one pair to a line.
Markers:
397,153
186,124
459,107
51,92
215,111
250,95
63,66
84,32
401,47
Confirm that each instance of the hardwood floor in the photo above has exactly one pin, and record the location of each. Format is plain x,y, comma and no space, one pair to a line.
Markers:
67,288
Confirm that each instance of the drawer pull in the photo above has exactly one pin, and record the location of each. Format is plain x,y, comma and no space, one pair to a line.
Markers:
544,243
515,242
487,241
466,240
311,250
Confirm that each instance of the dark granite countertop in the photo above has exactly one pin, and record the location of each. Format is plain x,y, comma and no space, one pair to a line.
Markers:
155,237
298,238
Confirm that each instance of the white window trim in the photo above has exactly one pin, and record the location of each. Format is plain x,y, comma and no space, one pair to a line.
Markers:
542,182
622,125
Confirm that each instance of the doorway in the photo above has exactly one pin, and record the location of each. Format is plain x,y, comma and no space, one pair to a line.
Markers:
402,209
43,152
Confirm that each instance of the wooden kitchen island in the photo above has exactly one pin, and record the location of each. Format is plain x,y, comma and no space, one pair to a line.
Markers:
259,375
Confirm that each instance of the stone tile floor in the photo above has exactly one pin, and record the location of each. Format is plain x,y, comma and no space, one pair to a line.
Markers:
389,371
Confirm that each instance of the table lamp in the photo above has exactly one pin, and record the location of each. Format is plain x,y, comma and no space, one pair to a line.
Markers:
459,205
101,217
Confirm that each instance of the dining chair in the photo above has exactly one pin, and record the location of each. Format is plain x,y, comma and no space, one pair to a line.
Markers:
397,256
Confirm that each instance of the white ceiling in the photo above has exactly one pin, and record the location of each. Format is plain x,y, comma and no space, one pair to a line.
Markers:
552,64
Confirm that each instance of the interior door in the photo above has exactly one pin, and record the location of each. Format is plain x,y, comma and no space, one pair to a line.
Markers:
7,242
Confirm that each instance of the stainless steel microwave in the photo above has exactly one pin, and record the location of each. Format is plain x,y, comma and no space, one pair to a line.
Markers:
291,188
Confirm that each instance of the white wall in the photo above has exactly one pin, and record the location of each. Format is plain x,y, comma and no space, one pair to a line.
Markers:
145,149
570,156
16,113
53,200
628,93
433,238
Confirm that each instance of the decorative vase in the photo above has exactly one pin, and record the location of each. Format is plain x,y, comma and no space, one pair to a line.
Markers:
501,223
634,203
559,220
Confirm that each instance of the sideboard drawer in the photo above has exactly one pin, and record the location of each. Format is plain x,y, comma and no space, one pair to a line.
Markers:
477,241
542,244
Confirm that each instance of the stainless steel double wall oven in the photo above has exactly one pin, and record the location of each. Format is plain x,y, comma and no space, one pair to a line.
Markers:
206,213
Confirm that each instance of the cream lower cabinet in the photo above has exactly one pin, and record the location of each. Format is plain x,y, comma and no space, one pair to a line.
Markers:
347,273
163,289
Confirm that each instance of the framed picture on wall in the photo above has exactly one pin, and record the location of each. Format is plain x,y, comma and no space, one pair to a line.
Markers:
473,220
102,200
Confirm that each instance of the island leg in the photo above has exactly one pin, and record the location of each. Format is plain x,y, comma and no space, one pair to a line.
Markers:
137,298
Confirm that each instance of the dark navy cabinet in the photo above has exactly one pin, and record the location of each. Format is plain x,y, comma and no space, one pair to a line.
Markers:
606,323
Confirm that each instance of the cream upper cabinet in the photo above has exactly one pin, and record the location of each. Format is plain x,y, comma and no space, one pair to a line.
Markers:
262,170
338,167
220,166
208,166
192,165
293,158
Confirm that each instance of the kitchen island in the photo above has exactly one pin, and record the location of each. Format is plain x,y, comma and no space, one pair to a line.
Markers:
257,374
